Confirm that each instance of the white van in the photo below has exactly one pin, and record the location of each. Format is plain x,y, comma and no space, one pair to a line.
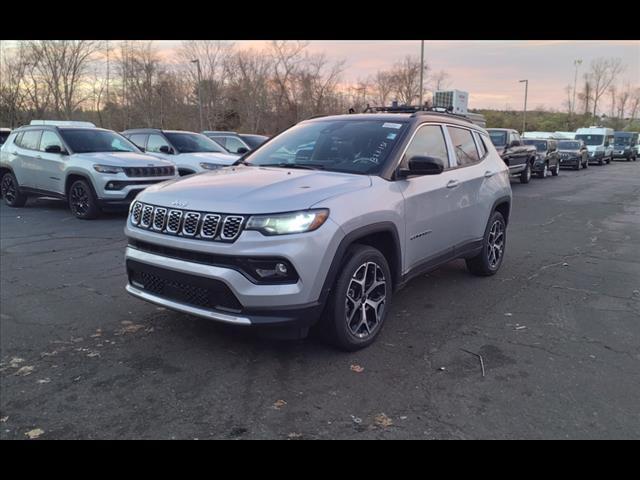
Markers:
599,142
565,135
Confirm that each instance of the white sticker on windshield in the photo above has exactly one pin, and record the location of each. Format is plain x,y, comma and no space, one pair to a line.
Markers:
391,125
392,136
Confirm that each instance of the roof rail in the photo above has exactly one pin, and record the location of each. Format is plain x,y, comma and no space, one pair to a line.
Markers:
416,110
63,123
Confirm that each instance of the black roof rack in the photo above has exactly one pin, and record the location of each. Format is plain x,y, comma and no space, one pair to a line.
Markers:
415,110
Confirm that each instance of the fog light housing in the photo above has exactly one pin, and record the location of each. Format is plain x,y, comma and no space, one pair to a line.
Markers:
268,271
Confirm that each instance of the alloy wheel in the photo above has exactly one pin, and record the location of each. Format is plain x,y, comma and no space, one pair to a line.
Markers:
79,200
495,244
8,189
365,300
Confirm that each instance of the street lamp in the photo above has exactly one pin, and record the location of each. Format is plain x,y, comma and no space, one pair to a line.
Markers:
524,117
421,70
197,62
576,63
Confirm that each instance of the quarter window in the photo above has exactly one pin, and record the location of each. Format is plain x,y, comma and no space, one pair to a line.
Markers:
463,146
31,139
49,138
155,142
482,148
427,142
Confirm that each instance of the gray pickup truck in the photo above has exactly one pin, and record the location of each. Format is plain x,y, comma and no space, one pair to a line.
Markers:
518,156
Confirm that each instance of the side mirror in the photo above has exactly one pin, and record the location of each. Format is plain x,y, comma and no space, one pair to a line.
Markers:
142,149
242,150
422,165
53,149
514,143
166,149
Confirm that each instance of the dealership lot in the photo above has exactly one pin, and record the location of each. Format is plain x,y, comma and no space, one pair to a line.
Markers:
558,330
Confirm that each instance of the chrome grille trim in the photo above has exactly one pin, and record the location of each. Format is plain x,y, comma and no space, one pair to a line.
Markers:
209,226
217,227
231,227
173,221
190,223
159,217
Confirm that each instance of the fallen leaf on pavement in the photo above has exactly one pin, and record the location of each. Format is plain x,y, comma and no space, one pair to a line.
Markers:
15,361
382,420
44,380
130,328
294,435
24,371
35,433
357,368
4,419
278,404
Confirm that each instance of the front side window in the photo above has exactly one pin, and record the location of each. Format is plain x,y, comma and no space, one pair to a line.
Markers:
463,146
85,140
186,142
31,139
427,142
138,139
49,139
541,145
232,144
155,142
353,146
568,145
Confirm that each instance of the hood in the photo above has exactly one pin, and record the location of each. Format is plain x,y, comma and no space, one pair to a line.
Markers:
252,190
124,159
212,157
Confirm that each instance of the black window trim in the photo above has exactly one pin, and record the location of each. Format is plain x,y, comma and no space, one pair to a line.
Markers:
39,130
472,131
57,134
408,144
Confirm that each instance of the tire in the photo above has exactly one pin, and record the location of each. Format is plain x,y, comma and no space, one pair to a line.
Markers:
345,300
578,165
556,171
82,200
586,164
601,162
608,160
485,264
525,176
10,191
544,172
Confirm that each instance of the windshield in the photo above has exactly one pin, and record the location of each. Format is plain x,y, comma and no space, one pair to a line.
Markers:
353,146
541,145
498,138
568,145
591,139
186,142
85,140
622,140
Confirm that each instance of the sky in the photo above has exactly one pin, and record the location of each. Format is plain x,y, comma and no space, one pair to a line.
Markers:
489,70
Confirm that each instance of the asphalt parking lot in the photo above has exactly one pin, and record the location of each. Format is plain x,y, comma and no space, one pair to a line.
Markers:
558,330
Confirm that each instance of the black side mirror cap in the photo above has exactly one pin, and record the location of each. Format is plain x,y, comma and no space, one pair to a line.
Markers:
422,165
54,149
242,150
166,149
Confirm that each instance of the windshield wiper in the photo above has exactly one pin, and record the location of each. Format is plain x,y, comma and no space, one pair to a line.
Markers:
305,166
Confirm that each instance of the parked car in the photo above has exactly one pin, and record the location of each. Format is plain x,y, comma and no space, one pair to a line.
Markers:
625,145
599,142
254,141
326,235
564,135
573,153
190,151
4,134
547,157
230,141
91,168
518,156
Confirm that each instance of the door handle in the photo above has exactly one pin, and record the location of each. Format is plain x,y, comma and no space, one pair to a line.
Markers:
452,184
489,173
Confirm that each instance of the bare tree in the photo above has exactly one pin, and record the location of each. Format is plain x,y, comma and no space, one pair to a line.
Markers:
603,72
383,86
406,76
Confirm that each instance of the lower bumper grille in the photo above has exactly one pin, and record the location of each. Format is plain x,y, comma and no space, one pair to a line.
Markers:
181,287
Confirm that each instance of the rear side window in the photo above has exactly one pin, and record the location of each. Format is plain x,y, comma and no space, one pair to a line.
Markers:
463,146
138,139
31,139
482,148
49,138
427,142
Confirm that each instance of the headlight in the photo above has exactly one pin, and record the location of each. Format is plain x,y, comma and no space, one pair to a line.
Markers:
210,166
286,223
107,169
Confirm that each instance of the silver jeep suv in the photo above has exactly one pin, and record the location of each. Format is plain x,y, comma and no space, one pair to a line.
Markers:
323,222
90,167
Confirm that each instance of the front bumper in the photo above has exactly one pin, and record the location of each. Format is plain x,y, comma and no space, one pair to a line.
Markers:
623,154
570,161
125,190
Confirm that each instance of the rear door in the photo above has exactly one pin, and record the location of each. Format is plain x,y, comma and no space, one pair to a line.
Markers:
27,167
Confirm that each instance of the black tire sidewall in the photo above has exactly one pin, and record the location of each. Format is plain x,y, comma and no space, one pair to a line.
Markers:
93,210
339,333
20,199
485,259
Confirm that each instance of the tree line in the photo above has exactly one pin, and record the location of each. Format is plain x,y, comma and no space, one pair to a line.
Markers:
126,84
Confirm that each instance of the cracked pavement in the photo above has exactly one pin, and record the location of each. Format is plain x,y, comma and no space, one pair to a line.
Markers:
558,330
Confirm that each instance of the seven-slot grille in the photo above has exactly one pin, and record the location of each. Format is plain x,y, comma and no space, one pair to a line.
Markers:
149,171
205,226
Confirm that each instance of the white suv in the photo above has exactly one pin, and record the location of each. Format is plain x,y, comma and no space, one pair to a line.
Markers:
324,221
90,167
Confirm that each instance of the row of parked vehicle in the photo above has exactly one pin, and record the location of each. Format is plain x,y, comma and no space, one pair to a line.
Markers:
317,228
544,153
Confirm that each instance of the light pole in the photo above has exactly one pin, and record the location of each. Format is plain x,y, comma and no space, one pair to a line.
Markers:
197,62
576,63
421,70
524,117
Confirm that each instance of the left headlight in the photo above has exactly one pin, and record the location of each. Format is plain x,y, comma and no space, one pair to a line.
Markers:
286,223
107,169
210,166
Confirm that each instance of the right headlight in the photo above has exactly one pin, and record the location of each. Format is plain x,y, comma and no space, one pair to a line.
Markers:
210,166
287,223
